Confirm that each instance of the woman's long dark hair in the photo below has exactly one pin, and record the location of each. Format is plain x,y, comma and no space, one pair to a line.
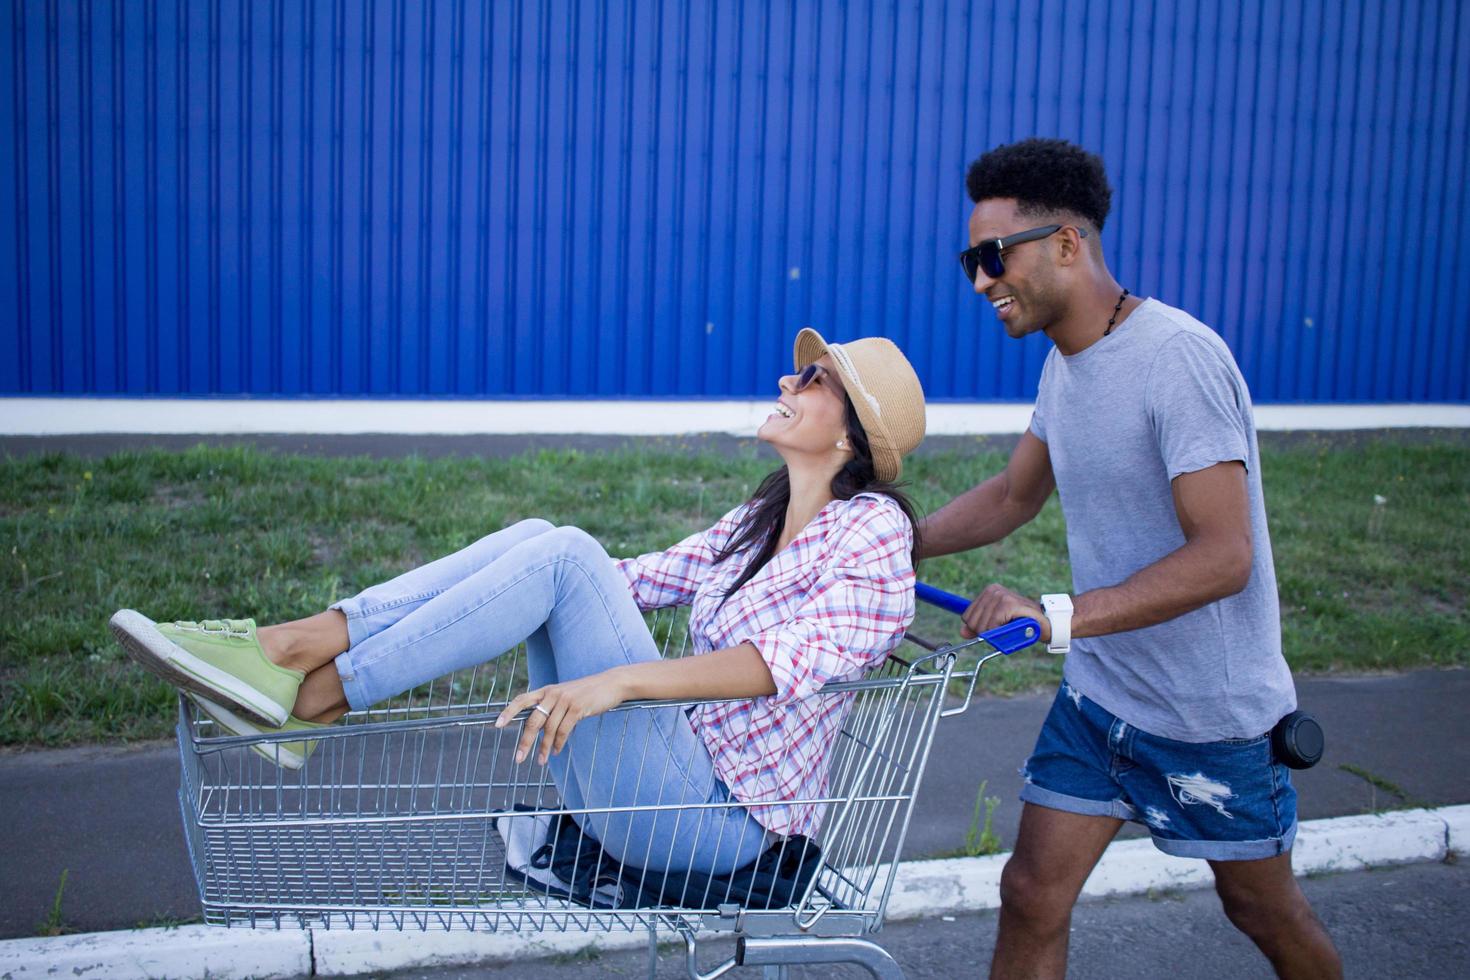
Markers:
766,519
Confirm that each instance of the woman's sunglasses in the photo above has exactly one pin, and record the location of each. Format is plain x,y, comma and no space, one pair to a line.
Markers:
808,374
986,256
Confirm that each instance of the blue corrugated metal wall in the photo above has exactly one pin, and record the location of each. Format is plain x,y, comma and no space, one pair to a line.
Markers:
617,198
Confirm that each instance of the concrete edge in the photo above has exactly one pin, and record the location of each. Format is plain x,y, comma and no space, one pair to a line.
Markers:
186,951
1457,820
1134,867
47,415
931,887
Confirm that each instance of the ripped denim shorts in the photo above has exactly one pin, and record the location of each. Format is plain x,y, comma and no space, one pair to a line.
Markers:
1222,801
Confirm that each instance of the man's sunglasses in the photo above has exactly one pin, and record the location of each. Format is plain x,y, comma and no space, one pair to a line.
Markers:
986,256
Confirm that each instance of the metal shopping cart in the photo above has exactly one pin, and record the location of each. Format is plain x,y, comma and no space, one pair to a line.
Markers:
391,823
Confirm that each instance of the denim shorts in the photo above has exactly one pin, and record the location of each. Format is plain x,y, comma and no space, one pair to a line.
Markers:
1222,801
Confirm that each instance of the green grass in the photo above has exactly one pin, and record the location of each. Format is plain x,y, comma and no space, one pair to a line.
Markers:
239,532
981,838
1398,797
53,925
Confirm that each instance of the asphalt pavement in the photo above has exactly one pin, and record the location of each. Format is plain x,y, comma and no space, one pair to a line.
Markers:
109,816
1406,923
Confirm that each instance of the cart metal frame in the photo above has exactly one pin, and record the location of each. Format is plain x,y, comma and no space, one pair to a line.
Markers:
389,825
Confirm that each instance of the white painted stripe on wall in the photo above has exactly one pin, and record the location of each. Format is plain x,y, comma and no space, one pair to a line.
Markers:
222,416
1283,417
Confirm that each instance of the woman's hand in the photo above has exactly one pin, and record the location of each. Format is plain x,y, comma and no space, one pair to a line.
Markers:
556,709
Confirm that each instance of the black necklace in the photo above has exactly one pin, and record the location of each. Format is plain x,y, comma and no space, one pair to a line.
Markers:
1114,318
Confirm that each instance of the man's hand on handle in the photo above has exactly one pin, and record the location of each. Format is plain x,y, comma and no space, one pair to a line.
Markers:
998,605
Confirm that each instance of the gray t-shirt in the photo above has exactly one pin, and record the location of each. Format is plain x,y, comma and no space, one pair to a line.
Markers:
1159,397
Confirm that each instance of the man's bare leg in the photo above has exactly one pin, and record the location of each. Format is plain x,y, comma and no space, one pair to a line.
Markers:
1055,852
1263,900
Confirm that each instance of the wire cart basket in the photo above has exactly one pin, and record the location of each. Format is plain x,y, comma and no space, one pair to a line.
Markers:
391,822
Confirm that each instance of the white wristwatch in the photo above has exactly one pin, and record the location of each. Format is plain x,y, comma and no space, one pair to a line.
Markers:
1058,609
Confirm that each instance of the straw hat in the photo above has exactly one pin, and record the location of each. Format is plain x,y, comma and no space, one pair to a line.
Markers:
884,389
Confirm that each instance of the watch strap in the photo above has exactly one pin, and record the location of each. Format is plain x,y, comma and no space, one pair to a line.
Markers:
1058,609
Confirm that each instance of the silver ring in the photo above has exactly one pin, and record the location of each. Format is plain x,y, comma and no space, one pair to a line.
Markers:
542,708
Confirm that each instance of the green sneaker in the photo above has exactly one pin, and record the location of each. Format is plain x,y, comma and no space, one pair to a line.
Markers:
287,755
219,659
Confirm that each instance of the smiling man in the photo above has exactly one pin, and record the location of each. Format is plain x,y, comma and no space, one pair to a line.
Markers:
1174,675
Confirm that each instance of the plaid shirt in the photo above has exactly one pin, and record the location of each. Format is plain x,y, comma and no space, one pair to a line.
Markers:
828,607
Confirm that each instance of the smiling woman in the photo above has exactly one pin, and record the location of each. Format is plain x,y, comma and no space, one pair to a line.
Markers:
808,582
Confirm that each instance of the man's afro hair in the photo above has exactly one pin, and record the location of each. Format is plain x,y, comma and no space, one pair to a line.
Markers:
1044,175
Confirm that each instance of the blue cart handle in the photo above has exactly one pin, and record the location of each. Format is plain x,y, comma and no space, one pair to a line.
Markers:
1018,634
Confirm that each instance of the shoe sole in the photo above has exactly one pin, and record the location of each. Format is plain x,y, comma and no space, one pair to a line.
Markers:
276,753
159,655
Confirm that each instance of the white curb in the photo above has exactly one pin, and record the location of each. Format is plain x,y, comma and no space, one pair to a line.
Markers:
339,953
1352,843
187,951
922,888
1457,818
1128,867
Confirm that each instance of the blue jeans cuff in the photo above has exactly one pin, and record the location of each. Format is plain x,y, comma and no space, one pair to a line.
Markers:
1228,850
351,682
1052,800
356,629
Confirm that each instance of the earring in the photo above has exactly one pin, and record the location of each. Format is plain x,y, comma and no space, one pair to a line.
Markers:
841,444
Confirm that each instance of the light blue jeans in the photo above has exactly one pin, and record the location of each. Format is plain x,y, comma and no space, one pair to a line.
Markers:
556,589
